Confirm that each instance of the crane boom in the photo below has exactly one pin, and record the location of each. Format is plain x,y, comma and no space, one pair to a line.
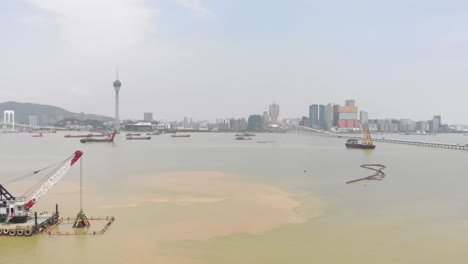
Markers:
54,179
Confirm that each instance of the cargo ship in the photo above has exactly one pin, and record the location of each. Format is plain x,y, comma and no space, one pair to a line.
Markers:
175,135
109,138
243,138
245,135
366,143
138,138
85,136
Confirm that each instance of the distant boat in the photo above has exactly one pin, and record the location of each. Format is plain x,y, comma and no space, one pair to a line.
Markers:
175,135
133,134
37,135
138,138
245,134
47,131
243,138
153,133
367,142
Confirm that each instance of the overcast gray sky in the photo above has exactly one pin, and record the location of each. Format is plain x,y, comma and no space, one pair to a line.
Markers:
218,58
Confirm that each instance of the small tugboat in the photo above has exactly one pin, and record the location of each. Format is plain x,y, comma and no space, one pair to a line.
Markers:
37,135
109,138
176,135
367,142
138,138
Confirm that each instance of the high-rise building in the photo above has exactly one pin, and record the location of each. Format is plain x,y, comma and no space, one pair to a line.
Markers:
422,126
254,123
322,118
439,119
336,114
304,121
265,119
148,117
435,124
32,121
274,113
317,117
328,116
313,116
364,118
350,103
117,85
348,117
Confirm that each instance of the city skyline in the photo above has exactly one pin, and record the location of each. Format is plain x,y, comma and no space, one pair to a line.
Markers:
396,59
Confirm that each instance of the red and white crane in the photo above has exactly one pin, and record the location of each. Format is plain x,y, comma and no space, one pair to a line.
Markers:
16,209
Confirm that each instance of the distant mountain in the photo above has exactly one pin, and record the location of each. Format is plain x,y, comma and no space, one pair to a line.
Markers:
46,114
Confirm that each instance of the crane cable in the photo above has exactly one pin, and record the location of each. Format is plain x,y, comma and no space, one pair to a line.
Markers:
33,173
44,179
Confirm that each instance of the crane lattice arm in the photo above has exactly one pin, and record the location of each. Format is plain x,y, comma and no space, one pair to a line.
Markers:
53,179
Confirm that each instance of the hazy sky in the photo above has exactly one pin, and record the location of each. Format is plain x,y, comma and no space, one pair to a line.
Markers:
212,59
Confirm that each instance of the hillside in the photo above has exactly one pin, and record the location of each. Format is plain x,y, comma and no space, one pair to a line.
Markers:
46,114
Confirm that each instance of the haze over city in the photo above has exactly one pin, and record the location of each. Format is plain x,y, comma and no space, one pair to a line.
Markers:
211,59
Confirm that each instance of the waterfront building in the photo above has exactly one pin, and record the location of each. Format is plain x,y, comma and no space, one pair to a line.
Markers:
436,123
254,123
350,103
274,113
321,116
364,118
304,122
32,121
422,126
238,125
336,114
148,117
140,126
328,116
313,116
439,119
265,119
347,117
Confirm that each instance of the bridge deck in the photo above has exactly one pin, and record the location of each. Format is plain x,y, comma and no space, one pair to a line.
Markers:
392,141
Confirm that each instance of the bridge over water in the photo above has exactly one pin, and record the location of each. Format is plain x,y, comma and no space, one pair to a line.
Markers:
386,140
28,127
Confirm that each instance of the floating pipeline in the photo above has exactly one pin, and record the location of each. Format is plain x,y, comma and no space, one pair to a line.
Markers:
378,175
47,226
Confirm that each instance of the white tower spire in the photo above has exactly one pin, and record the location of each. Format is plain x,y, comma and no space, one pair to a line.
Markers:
117,85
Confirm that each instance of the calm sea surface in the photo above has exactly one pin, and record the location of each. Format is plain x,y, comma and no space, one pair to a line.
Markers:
212,199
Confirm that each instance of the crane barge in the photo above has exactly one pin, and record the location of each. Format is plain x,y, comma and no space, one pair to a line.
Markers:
16,217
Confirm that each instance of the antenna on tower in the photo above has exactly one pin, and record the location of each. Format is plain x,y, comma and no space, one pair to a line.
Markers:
117,72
